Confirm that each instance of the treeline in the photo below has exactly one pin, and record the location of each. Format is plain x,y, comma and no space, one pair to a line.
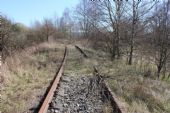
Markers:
17,36
128,28
121,28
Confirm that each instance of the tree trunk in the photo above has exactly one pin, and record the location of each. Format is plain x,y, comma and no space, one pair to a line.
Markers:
158,73
133,34
131,55
159,70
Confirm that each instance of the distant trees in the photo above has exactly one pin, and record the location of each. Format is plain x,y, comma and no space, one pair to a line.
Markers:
48,28
125,25
13,36
66,24
51,28
119,27
115,20
100,17
5,29
82,11
41,32
16,36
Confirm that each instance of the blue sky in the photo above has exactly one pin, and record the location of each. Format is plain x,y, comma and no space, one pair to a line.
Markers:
27,11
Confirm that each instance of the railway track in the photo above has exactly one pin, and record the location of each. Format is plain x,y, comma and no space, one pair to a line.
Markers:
79,94
75,96
54,85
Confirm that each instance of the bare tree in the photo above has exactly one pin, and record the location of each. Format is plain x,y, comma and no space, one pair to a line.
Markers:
83,14
108,22
135,5
138,18
48,28
105,17
161,36
66,23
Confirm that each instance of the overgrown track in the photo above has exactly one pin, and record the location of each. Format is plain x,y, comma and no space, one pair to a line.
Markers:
117,106
48,98
75,96
79,94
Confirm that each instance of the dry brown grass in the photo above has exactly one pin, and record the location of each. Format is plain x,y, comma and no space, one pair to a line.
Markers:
143,94
27,75
136,85
107,108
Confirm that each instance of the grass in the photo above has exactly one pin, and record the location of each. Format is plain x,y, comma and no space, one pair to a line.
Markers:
76,63
130,83
107,108
135,84
29,74
20,89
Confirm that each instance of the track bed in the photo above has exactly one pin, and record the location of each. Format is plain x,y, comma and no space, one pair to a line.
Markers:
78,95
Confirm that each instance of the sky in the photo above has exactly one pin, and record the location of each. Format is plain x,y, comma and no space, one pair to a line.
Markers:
27,11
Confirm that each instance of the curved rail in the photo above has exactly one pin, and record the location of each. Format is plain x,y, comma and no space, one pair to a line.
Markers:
48,98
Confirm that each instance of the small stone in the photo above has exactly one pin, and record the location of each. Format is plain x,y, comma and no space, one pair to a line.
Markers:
65,105
66,79
61,92
56,111
52,110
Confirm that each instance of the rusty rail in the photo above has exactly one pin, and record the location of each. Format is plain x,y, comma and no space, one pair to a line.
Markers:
48,98
81,51
117,106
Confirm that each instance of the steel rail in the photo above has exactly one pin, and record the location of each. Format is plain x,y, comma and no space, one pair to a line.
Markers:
118,106
48,98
